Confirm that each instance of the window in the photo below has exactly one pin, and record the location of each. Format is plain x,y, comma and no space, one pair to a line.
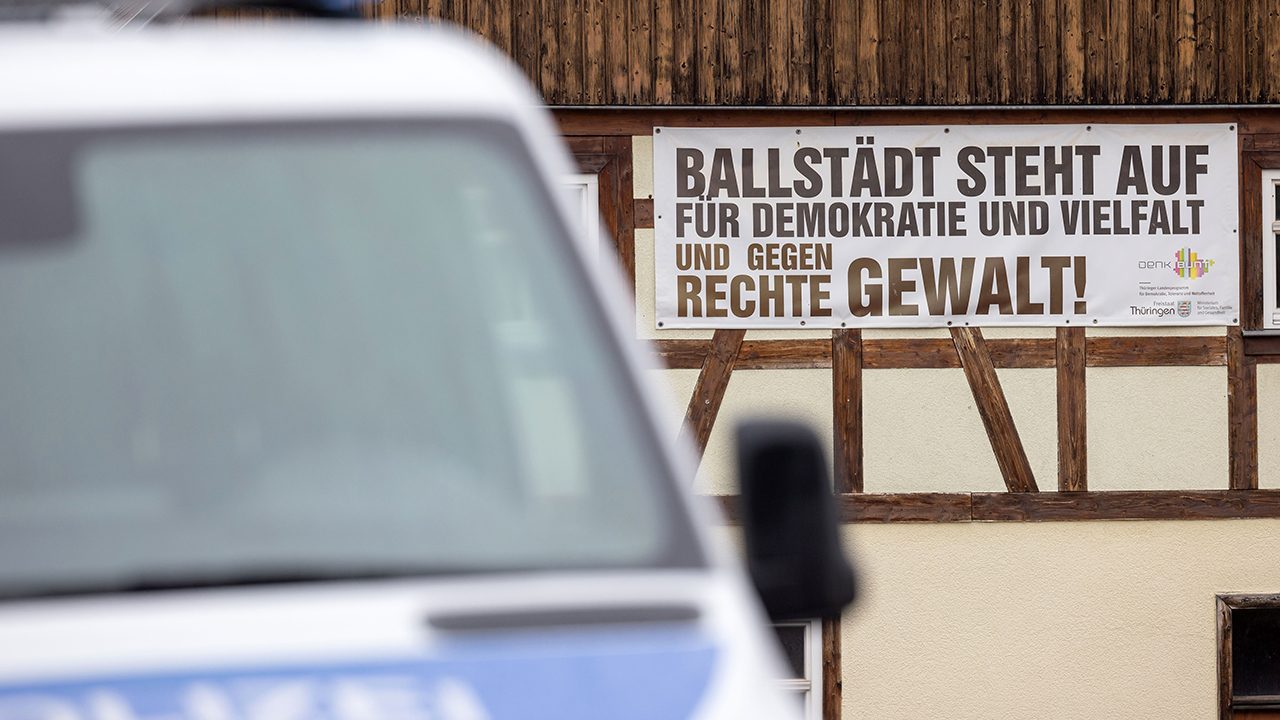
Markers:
293,352
583,191
1270,241
1249,657
802,648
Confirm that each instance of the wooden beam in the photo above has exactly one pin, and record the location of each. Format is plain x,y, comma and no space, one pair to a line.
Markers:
884,507
1073,459
994,409
708,393
1242,413
1251,234
784,354
1262,346
754,355
610,159
620,203
894,354
644,212
1127,505
1141,351
905,507
936,353
1224,608
832,682
846,371
857,508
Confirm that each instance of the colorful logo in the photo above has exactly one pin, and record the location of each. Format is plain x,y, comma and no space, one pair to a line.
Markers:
1189,265
1184,308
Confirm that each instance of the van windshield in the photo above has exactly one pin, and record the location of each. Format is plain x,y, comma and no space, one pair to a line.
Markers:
267,353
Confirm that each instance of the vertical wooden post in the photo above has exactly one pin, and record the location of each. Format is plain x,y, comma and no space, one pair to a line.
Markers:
846,370
708,393
994,409
832,681
1242,413
1073,460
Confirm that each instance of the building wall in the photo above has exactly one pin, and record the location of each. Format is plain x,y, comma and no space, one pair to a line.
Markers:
1007,621
1069,620
878,52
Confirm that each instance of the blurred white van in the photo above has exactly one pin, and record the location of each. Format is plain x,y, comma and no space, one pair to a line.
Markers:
310,407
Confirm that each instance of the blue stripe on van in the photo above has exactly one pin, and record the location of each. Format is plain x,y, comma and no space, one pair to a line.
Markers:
579,675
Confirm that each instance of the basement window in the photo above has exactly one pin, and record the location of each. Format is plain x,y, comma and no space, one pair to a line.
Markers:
1249,656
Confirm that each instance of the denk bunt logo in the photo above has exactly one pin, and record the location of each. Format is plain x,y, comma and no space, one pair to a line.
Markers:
1189,265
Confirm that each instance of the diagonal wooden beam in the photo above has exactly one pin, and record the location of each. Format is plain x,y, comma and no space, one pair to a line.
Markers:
994,409
708,393
1073,458
846,371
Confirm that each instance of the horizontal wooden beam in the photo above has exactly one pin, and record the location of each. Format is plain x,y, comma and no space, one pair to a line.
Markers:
1048,506
1155,351
930,353
894,354
1262,345
754,355
1128,505
621,120
884,508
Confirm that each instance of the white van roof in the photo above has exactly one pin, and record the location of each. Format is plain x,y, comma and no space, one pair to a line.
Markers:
58,74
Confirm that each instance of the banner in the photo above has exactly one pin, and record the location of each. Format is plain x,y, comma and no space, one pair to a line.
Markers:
936,226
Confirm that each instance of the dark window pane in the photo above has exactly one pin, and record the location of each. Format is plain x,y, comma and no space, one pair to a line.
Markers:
792,639
1255,651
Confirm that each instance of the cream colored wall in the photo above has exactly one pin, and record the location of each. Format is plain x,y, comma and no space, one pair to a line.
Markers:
1149,428
1020,621
1269,426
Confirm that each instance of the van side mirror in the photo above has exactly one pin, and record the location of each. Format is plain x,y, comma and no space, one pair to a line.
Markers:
790,523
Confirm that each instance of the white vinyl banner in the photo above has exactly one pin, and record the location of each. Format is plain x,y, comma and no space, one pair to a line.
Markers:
937,226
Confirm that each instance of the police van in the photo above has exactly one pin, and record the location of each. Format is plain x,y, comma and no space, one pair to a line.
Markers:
316,406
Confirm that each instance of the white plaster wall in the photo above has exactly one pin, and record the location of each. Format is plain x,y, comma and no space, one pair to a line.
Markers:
642,166
802,395
1157,428
922,431
1067,620
1269,426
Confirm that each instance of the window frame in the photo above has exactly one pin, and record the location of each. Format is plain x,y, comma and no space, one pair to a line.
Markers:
1270,187
1227,604
811,684
587,209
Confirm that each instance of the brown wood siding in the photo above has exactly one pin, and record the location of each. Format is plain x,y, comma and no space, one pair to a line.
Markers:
879,53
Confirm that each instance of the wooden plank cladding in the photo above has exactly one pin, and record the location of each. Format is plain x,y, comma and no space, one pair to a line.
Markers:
929,353
878,52
1047,506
